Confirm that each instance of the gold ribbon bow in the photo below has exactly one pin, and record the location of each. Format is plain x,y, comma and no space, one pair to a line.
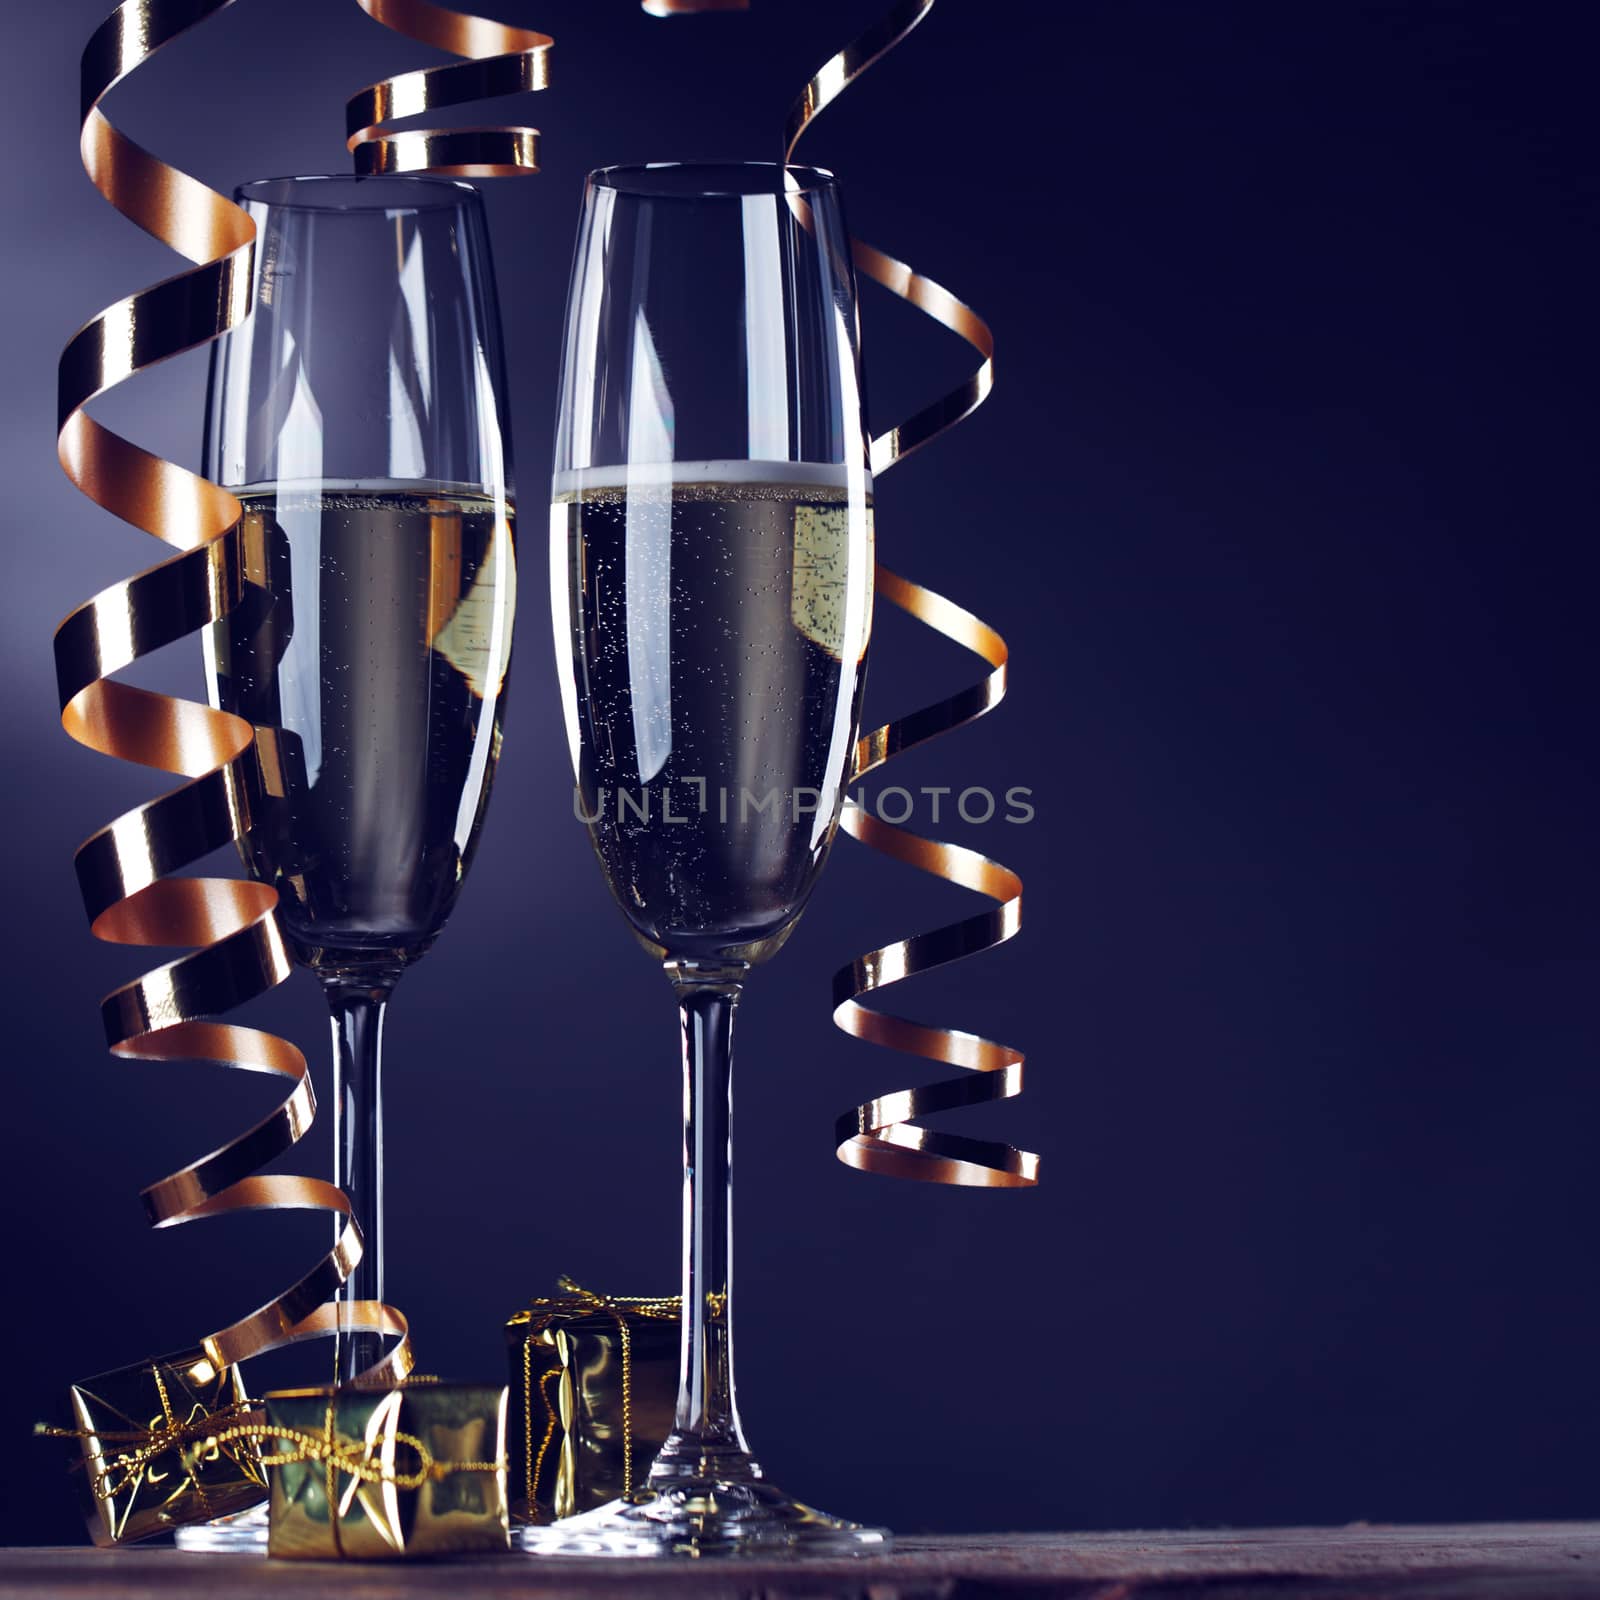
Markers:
574,1297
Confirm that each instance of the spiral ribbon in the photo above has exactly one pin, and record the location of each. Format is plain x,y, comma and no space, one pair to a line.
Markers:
124,870
500,60
884,1135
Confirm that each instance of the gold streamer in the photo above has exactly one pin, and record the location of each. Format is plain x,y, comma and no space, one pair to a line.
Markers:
123,870
883,1135
500,60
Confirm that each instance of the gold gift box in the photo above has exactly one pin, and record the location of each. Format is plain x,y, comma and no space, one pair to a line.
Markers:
151,1462
368,1473
595,1384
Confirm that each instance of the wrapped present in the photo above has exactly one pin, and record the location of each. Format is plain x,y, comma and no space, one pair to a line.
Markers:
159,1450
366,1472
594,1381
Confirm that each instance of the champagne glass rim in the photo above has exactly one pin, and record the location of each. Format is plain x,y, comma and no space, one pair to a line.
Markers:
344,191
712,180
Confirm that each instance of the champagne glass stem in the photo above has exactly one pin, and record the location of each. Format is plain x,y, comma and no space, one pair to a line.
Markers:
707,1441
357,1008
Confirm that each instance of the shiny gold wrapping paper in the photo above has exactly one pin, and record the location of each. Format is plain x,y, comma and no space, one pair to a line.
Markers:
594,1383
368,1473
150,1461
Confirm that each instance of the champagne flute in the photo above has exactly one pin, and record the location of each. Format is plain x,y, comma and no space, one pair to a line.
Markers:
711,577
359,416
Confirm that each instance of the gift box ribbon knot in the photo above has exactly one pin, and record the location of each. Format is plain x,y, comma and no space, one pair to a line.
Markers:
111,1476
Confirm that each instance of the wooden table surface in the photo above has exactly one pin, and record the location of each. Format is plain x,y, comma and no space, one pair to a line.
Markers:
1522,1561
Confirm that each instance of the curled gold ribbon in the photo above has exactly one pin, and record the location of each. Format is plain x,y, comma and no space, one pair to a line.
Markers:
883,1135
124,869
500,60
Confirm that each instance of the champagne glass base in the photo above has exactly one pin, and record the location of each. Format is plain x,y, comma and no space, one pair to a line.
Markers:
244,1533
705,1518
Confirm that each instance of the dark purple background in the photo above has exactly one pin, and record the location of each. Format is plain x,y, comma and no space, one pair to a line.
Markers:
1286,503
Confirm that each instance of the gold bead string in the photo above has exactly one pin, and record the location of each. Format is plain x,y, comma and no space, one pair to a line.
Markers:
352,1457
111,1475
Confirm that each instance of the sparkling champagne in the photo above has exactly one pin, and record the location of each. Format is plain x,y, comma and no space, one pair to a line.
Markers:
370,651
711,633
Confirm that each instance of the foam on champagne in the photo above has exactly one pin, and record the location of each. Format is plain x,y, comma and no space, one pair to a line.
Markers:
758,475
